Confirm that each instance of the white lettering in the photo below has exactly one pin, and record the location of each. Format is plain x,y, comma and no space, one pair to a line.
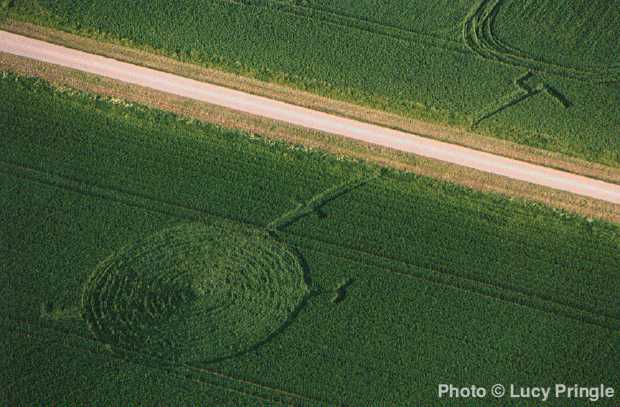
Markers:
530,392
546,391
560,389
450,391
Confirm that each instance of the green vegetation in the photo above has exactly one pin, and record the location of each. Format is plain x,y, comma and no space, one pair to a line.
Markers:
355,286
581,34
446,61
574,44
194,293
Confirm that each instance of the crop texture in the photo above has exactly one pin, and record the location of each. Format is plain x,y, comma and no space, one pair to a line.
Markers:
453,62
194,292
123,229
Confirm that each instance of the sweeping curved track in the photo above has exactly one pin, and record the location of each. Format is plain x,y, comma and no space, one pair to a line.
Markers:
480,34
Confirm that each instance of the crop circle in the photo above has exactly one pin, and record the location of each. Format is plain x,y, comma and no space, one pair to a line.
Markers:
194,292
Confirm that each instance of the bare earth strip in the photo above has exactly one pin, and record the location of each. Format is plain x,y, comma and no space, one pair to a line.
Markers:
276,110
66,79
153,58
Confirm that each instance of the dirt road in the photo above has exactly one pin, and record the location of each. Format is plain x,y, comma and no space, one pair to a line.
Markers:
272,109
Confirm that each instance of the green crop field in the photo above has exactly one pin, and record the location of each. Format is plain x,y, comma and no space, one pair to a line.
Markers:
461,62
151,260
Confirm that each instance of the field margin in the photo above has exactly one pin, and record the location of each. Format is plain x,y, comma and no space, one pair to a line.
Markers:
64,78
151,58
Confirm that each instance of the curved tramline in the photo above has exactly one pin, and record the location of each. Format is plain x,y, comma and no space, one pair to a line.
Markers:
544,37
482,33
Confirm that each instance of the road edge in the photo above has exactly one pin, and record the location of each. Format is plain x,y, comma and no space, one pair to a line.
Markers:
473,179
286,94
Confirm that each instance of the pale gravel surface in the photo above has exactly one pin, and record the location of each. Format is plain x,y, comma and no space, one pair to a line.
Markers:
272,109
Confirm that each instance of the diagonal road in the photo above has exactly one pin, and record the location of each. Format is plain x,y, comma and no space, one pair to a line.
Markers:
312,119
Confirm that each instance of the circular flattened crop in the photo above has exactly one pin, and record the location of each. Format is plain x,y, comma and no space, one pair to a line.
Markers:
194,292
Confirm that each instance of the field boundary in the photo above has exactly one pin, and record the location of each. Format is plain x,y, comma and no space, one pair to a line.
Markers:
68,80
462,136
408,143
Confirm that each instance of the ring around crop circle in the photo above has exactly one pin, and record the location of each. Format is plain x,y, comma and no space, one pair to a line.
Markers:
194,292
479,35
